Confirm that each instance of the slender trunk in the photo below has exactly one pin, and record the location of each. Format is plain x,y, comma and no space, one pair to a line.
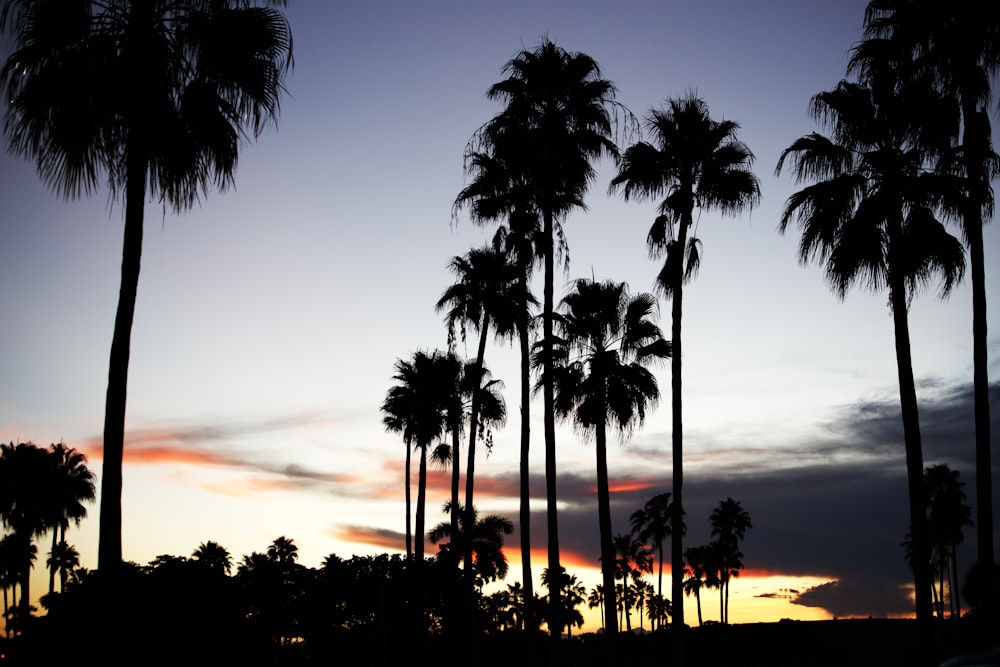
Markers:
418,549
470,474
976,146
697,600
456,471
604,523
55,564
409,515
548,405
922,579
525,509
109,552
677,520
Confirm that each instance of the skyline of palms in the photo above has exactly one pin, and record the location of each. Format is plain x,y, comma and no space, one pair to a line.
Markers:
525,496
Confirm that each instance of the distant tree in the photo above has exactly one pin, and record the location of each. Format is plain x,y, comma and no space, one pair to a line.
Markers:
651,523
700,572
214,556
72,486
632,560
730,523
64,559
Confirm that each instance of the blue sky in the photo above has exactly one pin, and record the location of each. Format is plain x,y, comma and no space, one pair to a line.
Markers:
270,316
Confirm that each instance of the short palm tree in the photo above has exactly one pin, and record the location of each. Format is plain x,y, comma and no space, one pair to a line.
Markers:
555,123
693,162
72,486
486,297
730,523
605,339
155,97
416,406
698,573
485,541
214,556
64,559
632,560
651,523
870,217
947,515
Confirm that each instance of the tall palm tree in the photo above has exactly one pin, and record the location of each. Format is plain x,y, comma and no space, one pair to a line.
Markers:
730,523
155,97
499,192
693,162
416,406
960,44
605,339
555,123
72,486
651,523
483,297
869,217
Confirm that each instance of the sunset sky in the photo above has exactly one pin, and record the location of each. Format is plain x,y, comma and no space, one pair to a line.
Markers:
269,317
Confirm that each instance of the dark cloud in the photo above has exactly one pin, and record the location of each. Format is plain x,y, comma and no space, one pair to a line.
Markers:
834,505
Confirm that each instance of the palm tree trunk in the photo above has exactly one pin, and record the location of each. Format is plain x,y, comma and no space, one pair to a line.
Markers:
697,599
677,522
470,473
409,515
525,509
109,551
455,474
549,419
418,548
914,453
604,522
54,565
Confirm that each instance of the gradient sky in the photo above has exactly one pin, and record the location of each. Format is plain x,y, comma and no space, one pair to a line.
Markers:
269,317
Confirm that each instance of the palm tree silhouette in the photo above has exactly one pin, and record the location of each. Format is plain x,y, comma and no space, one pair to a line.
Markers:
730,523
485,541
72,485
958,43
215,557
417,406
64,559
555,123
869,217
694,162
499,192
483,297
632,560
155,97
700,572
605,338
651,523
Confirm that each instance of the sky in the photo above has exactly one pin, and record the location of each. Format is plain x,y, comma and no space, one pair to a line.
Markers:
270,316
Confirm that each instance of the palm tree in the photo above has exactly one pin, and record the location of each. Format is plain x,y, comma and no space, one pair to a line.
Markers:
25,507
482,297
215,557
485,541
959,43
605,339
283,551
947,514
632,560
730,523
72,485
64,558
700,572
556,122
694,162
651,523
869,217
416,406
155,97
500,192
